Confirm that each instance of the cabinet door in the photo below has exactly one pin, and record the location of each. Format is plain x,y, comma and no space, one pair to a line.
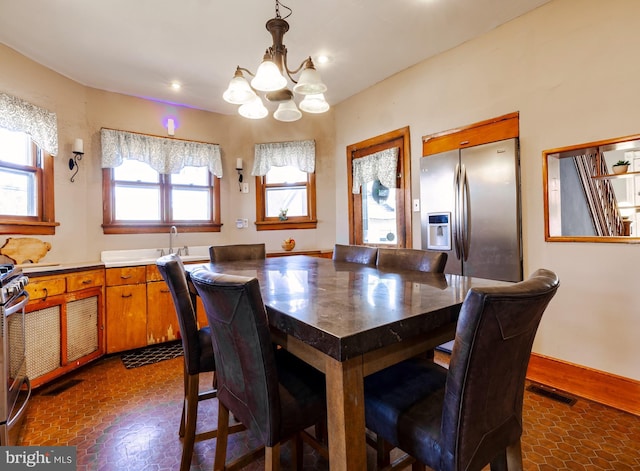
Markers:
162,321
127,317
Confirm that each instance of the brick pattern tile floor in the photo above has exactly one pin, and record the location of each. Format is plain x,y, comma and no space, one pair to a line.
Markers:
127,420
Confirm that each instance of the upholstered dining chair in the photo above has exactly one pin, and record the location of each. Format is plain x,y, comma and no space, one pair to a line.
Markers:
412,259
355,254
198,356
470,415
227,253
276,395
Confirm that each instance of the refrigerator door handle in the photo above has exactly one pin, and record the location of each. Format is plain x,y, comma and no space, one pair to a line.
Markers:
464,190
456,212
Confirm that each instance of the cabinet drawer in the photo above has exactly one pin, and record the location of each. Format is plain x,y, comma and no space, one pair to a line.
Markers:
126,276
84,280
153,274
42,288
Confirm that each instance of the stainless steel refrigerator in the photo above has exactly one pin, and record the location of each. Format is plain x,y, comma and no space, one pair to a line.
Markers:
470,208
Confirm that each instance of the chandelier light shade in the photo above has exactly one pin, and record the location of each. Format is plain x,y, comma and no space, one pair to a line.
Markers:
253,109
271,79
314,104
239,91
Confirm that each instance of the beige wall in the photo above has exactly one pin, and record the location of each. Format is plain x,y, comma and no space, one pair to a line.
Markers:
82,111
570,69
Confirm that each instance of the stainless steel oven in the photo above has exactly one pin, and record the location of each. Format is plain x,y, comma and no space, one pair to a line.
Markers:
15,389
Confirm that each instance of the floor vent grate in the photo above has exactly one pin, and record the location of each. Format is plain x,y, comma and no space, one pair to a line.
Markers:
552,394
62,387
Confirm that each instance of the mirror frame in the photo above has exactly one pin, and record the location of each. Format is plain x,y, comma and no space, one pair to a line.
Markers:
619,143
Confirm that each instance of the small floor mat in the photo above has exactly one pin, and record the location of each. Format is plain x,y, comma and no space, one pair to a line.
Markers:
151,354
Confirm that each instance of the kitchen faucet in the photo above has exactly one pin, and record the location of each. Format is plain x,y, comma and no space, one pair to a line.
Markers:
172,231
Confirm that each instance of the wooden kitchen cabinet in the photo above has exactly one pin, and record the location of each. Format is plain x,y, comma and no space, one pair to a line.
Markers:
140,309
126,308
162,322
64,324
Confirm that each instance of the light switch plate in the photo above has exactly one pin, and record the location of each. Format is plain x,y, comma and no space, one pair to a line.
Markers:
416,205
245,188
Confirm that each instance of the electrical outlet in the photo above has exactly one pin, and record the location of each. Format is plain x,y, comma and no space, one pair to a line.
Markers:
245,188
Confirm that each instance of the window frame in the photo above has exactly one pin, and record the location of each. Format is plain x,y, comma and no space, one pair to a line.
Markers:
44,222
111,226
399,138
264,223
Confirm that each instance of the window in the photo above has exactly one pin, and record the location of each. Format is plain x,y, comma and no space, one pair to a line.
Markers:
286,185
152,183
140,199
26,186
380,212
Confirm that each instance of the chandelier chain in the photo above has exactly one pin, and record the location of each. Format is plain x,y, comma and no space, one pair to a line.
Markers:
278,4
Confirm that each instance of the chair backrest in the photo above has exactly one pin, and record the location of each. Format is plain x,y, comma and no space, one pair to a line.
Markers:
355,254
484,392
230,253
412,259
173,273
246,371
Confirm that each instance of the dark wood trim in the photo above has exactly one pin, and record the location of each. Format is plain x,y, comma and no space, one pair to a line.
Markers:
599,386
482,132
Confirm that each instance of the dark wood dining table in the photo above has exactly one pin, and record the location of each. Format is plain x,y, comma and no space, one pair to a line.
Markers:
350,320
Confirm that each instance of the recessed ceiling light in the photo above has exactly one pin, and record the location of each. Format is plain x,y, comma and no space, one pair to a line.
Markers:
175,85
323,59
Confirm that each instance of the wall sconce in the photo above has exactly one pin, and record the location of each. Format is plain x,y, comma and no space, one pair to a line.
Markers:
171,127
239,166
78,152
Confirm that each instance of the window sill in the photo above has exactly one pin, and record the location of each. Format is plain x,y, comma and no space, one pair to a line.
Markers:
285,225
28,227
144,228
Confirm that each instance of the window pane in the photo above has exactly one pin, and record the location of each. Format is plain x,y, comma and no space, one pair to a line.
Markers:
137,204
18,193
379,214
15,147
191,176
190,205
134,171
293,199
285,175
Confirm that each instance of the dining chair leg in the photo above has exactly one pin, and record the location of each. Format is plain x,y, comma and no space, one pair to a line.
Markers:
499,463
189,430
297,452
272,458
514,456
184,401
383,452
221,441
417,466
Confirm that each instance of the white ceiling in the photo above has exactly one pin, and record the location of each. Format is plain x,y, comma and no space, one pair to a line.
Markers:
137,47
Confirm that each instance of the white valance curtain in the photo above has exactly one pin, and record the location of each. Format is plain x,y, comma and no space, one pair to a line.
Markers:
381,166
21,116
299,154
162,154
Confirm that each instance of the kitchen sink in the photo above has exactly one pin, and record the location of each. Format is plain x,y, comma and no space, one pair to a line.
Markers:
123,258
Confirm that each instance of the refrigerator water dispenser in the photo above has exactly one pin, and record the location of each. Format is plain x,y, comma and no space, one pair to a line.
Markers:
439,231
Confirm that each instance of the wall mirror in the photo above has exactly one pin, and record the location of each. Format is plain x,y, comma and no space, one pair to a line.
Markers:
589,195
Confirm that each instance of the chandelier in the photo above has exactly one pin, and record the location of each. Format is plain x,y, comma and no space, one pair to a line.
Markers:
270,78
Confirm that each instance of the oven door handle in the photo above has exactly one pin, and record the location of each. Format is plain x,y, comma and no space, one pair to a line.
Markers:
19,306
23,407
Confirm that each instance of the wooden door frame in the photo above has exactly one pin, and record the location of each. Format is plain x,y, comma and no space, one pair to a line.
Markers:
376,144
